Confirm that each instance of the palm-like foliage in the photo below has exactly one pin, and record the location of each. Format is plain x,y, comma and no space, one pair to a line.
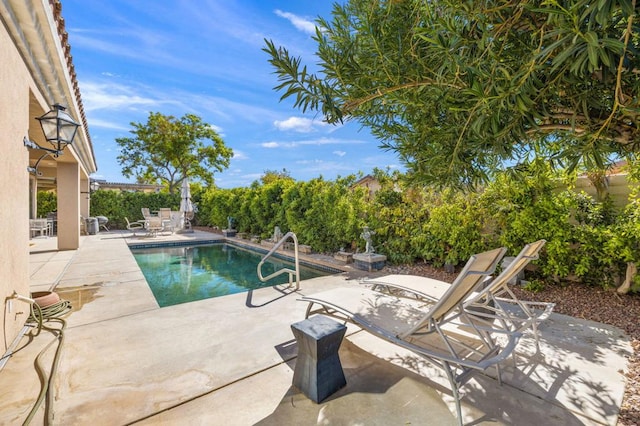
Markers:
460,88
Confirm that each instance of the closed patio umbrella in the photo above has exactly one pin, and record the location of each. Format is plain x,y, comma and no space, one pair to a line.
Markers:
186,206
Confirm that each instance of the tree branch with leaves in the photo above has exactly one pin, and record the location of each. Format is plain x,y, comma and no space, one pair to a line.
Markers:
459,89
166,149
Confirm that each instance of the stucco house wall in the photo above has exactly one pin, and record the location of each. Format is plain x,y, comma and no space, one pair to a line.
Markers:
14,191
36,71
370,183
618,187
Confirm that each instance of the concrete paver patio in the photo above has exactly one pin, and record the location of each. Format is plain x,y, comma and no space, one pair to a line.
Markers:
229,360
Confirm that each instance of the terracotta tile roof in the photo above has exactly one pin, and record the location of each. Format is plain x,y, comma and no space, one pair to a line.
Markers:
56,6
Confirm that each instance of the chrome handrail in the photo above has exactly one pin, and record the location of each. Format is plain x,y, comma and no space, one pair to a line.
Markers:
283,270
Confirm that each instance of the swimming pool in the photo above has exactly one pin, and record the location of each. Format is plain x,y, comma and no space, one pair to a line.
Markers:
180,274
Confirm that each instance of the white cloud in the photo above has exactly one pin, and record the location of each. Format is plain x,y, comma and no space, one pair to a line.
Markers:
332,141
300,125
110,95
308,142
339,153
271,145
113,96
300,23
297,124
239,155
106,124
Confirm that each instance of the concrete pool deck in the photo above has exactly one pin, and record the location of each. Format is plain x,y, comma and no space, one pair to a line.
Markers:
230,360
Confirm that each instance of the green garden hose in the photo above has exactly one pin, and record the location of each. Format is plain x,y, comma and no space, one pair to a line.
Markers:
43,316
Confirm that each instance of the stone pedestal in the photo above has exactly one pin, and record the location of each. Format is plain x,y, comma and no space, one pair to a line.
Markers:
506,261
267,243
343,256
229,233
318,372
304,249
369,261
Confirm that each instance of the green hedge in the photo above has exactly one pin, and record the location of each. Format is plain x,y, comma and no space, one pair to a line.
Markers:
587,241
118,205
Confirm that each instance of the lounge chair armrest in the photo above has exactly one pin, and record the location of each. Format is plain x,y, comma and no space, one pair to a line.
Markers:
545,307
513,337
497,355
391,288
540,305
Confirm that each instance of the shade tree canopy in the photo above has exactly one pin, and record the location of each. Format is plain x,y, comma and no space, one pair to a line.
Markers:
460,89
166,149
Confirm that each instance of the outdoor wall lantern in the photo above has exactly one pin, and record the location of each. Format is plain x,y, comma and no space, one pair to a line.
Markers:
59,130
93,187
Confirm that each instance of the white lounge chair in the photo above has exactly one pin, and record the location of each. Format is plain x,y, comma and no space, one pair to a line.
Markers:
495,302
499,302
146,213
440,332
135,226
165,217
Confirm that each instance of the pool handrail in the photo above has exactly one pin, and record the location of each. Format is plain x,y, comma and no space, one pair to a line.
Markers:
283,270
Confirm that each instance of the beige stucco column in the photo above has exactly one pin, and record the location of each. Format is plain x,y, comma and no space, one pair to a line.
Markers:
68,184
33,197
85,196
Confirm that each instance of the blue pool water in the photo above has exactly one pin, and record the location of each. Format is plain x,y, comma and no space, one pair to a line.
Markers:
188,273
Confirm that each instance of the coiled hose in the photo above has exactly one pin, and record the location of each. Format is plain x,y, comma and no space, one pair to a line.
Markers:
42,317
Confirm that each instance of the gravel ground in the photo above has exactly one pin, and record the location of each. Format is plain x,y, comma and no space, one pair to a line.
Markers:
590,303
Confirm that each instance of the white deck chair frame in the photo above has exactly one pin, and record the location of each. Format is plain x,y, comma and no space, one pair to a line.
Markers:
135,226
441,333
498,302
495,302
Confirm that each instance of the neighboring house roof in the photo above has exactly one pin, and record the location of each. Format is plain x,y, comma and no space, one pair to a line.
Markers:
370,183
365,180
123,186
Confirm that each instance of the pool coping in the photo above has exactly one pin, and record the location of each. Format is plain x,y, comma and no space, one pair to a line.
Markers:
311,261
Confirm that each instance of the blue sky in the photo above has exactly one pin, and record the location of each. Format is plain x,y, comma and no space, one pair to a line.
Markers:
204,57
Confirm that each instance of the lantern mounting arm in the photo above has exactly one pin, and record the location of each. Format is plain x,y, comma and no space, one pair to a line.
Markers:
49,152
32,145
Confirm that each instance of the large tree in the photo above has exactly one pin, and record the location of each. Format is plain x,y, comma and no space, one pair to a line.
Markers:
166,149
462,88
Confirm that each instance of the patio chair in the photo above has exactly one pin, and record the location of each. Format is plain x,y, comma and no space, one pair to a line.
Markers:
102,222
442,332
165,217
41,226
495,302
146,213
153,225
135,226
